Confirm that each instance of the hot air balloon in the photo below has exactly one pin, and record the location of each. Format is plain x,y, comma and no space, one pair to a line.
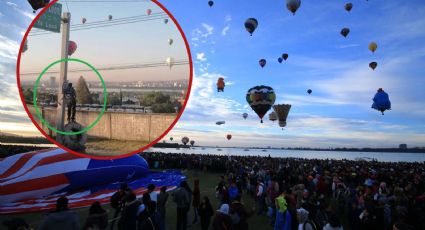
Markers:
345,32
293,5
220,122
170,41
250,25
282,111
245,116
110,17
285,56
72,47
273,116
373,65
229,137
309,91
220,84
149,11
381,101
192,142
166,20
210,3
170,62
373,46
262,62
25,47
185,140
171,138
83,20
280,60
348,6
261,98
38,4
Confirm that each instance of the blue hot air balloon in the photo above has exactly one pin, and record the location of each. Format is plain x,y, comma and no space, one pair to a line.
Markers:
381,101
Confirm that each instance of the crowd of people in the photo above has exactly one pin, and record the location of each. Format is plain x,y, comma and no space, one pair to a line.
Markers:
10,150
312,193
303,194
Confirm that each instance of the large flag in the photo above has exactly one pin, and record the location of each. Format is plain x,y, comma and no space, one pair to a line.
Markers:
33,181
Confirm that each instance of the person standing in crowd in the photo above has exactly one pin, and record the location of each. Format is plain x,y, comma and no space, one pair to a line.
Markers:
118,200
152,193
205,213
182,199
303,222
240,214
222,219
196,200
259,194
97,219
334,223
283,219
62,218
162,201
128,219
233,191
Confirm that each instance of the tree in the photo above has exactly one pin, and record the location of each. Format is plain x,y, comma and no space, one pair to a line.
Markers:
114,99
154,98
83,92
28,94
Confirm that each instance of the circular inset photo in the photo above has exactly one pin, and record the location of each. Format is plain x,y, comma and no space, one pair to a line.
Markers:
104,80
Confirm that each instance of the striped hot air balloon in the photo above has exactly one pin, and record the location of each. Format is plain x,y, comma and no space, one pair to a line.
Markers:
33,181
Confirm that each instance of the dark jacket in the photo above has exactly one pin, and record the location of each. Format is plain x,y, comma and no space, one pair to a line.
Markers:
99,220
63,220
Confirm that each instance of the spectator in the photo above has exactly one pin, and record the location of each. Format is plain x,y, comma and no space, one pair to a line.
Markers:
240,214
205,213
97,219
196,200
162,201
334,223
222,220
62,218
128,219
182,200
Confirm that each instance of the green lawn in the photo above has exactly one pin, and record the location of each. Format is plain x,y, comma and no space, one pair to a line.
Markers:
208,182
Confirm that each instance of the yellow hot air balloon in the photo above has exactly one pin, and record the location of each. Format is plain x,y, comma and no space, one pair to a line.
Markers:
282,111
373,46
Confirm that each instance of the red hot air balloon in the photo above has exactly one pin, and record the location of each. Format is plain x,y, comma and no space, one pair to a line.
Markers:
149,11
72,47
229,137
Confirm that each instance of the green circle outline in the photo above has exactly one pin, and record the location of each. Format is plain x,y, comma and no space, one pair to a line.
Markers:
105,96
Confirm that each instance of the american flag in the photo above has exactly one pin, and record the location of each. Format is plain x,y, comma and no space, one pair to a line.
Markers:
33,181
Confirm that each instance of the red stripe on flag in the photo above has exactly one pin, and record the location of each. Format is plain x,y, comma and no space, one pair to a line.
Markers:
34,184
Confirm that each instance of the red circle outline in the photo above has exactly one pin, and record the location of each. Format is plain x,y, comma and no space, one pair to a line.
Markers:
106,157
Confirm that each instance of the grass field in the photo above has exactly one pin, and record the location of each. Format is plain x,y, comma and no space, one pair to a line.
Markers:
208,181
112,147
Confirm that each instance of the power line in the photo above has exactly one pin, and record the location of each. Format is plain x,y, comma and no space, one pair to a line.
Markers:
116,67
101,24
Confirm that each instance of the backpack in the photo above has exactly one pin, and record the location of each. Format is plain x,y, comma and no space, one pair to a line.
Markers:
312,224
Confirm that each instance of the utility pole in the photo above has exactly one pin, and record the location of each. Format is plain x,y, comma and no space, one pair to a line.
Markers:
60,114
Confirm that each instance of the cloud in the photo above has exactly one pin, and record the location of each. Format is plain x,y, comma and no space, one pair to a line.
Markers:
8,49
209,29
225,29
201,57
228,18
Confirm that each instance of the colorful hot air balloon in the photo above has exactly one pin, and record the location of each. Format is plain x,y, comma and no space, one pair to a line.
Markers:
373,65
293,5
261,98
309,91
373,46
381,101
220,84
210,3
170,62
285,56
245,116
38,4
110,17
345,32
348,6
165,20
282,113
72,47
220,122
171,138
280,60
228,136
185,140
192,142
262,62
170,41
251,24
149,11
273,116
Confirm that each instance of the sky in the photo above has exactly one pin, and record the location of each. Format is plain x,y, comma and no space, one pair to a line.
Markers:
336,114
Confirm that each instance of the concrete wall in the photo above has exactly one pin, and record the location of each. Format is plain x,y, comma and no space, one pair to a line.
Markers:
114,125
